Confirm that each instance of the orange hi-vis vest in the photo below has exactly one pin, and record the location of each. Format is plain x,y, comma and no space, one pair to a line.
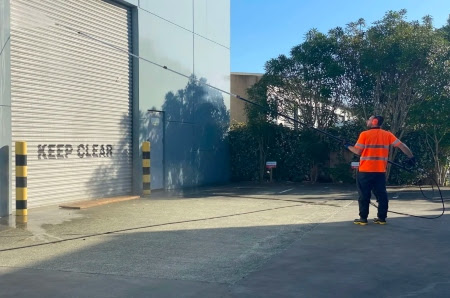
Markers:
374,144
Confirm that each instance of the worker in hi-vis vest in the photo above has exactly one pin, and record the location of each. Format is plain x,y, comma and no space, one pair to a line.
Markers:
373,148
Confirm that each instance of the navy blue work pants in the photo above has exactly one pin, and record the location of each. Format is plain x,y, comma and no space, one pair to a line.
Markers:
368,182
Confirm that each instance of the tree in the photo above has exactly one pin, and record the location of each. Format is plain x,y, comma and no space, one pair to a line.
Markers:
308,85
386,69
392,67
445,30
432,116
259,119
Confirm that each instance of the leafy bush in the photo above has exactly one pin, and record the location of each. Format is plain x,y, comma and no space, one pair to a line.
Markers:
296,153
342,172
244,154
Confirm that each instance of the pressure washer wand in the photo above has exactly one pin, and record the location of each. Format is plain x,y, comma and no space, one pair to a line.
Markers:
311,127
400,166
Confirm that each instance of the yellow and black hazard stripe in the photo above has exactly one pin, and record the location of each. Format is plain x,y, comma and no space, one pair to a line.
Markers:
21,178
146,188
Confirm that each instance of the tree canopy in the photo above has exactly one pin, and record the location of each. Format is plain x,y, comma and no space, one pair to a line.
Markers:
396,68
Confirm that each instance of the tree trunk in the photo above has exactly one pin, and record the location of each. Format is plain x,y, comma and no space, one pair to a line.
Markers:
262,159
314,173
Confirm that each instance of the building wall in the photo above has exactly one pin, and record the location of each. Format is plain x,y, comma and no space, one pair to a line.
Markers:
191,37
240,82
5,110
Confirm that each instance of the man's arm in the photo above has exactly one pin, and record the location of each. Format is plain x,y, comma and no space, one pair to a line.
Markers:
354,150
359,146
405,150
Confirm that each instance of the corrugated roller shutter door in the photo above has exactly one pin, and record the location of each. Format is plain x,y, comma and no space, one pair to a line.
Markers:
71,98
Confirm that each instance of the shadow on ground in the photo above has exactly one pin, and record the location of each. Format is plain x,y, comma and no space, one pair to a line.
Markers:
320,253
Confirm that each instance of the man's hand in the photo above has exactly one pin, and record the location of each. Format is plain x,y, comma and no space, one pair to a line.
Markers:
345,144
411,161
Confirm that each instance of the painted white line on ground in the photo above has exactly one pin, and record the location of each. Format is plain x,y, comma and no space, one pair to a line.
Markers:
285,190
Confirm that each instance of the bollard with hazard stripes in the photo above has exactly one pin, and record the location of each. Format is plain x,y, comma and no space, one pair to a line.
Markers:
21,179
146,189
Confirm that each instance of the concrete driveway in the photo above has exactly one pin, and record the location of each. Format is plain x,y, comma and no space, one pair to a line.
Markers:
242,240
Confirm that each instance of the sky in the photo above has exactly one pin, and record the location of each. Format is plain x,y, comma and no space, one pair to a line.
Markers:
264,29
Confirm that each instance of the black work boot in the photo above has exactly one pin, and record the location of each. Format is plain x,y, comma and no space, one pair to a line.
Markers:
360,221
379,221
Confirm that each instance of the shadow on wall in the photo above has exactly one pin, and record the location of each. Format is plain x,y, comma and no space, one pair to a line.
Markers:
114,176
195,146
196,149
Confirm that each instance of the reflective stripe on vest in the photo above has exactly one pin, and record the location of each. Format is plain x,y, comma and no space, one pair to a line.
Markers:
373,158
378,146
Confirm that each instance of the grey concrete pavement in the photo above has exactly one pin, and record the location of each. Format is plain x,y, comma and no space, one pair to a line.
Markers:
287,240
407,258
